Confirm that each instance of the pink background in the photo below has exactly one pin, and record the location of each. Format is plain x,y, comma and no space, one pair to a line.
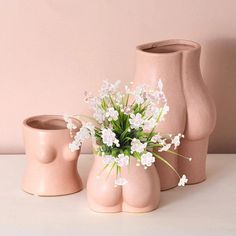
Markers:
51,51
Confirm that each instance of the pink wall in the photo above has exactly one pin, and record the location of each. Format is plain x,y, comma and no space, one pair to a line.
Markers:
51,51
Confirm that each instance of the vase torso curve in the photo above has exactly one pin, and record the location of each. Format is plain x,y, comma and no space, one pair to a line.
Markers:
51,168
192,112
140,194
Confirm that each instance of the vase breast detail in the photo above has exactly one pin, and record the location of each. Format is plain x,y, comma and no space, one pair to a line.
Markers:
192,111
51,167
140,194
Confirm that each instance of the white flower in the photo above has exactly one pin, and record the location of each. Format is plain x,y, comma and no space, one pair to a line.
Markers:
116,142
176,141
138,99
69,122
74,146
108,159
118,98
156,138
99,115
94,102
90,127
152,111
108,88
162,142
127,110
120,181
109,137
137,146
165,148
136,121
149,124
66,118
122,160
82,134
112,114
183,180
147,159
70,125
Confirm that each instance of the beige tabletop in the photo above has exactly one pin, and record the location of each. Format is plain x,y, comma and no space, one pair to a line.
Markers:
208,208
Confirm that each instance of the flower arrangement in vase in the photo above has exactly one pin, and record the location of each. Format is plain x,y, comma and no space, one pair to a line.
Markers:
124,130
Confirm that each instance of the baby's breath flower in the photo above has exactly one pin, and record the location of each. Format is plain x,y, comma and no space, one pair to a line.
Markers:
116,142
108,137
112,114
137,146
176,140
156,138
82,134
122,160
90,127
74,146
165,148
183,180
149,124
127,110
147,159
99,115
108,159
66,118
108,88
139,99
119,181
136,121
70,125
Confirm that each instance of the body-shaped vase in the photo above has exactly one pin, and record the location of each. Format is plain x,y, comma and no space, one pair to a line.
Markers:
51,168
192,111
140,194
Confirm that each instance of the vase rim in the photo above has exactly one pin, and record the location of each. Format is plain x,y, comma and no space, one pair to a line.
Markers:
43,118
144,48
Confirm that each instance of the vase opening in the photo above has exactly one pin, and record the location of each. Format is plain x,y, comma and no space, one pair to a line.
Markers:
168,46
47,122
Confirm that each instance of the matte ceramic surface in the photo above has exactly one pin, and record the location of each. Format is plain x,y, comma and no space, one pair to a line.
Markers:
192,111
51,167
140,194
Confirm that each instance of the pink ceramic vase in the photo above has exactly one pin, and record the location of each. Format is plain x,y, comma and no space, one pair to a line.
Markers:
192,111
51,167
140,194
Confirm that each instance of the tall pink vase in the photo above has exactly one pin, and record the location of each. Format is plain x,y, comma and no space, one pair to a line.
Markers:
140,194
51,168
192,111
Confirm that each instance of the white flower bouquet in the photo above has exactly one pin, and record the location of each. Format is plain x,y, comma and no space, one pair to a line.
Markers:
125,125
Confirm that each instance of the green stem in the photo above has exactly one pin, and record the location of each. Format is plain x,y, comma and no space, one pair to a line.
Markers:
167,163
127,100
177,154
101,171
111,170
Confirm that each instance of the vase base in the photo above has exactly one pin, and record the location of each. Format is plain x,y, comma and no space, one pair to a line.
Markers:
51,194
130,209
122,207
105,209
168,188
196,181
